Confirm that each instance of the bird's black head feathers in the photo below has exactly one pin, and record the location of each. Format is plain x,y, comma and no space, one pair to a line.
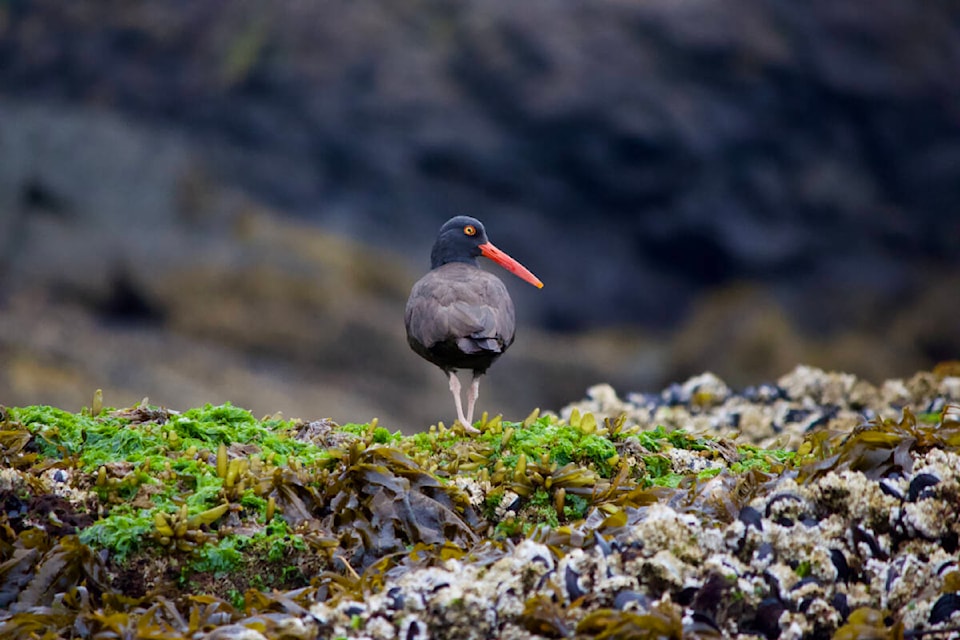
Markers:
459,241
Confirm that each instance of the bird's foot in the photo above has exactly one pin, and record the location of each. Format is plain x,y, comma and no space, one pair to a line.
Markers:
469,428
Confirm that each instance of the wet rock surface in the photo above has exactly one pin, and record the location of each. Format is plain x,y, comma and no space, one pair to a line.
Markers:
848,529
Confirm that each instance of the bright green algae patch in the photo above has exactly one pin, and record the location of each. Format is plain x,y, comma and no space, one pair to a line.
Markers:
149,469
97,440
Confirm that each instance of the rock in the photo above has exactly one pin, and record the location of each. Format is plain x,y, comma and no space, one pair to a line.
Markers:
715,146
158,167
803,400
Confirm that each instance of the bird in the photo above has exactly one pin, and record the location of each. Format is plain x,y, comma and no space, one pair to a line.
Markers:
458,316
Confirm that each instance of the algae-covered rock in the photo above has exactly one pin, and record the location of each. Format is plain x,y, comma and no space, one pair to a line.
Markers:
209,522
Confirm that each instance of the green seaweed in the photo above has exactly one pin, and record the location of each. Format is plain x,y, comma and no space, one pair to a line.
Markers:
879,447
120,533
563,443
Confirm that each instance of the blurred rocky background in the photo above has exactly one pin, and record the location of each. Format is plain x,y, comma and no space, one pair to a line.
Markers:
211,200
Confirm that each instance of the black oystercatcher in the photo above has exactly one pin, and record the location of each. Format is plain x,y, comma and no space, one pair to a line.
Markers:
459,316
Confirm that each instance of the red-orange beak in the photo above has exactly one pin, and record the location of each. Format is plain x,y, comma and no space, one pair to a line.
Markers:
508,263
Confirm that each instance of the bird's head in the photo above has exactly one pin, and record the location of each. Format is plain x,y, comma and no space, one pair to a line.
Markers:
463,239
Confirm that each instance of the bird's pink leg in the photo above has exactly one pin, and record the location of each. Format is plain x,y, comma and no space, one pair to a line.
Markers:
455,390
472,397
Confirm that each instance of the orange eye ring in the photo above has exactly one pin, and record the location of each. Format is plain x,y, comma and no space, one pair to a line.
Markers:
470,230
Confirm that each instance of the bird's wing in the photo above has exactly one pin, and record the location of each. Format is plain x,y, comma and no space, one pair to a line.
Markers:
476,327
471,307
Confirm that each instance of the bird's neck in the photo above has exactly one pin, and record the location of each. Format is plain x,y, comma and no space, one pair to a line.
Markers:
439,257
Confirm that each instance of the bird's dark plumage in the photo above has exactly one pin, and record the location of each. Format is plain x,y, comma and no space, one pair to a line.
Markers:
459,316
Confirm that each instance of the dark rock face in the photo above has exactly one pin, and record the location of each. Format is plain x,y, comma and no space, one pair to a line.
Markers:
684,144
634,155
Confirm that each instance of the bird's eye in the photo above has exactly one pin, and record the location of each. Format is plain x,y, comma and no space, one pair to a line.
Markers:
470,230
